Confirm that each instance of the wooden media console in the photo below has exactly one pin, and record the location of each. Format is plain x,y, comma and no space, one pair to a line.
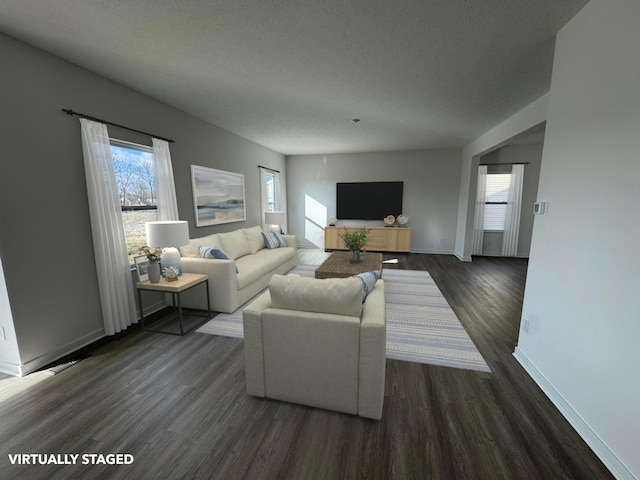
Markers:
381,239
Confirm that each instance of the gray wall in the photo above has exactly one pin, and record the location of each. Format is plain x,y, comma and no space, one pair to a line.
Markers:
431,182
45,236
581,299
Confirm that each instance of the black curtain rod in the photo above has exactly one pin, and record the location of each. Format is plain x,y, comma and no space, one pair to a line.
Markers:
507,163
82,115
270,169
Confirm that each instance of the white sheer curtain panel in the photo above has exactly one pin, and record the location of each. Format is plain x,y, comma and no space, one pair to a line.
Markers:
264,197
112,263
478,223
277,192
512,221
166,189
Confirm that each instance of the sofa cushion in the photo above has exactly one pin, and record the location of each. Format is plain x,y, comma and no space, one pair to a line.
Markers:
254,237
284,253
250,270
215,252
368,280
235,244
193,248
273,240
339,296
269,259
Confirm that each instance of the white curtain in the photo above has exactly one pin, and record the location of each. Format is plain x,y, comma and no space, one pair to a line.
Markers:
478,223
514,205
110,249
167,203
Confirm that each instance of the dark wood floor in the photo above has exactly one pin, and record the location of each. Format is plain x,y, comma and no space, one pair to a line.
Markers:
177,404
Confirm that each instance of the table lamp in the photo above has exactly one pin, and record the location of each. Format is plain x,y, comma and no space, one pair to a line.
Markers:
168,235
275,219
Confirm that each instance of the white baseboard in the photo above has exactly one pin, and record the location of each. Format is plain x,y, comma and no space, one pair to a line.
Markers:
39,362
156,306
10,368
610,460
462,258
47,358
427,251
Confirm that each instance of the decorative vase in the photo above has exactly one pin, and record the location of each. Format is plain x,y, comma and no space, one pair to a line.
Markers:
153,269
355,256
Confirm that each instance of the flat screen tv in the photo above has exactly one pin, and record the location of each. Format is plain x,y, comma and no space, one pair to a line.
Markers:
368,200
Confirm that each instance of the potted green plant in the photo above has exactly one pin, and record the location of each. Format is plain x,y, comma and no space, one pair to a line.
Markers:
355,240
153,256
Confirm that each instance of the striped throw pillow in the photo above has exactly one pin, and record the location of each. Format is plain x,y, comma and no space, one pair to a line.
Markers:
369,280
214,252
273,240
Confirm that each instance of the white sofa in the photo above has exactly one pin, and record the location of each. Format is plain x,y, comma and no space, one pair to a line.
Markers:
314,342
255,264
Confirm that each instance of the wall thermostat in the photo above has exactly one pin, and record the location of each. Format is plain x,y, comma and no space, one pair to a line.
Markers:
540,208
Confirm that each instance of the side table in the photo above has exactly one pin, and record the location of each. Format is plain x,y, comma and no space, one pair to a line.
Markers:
175,288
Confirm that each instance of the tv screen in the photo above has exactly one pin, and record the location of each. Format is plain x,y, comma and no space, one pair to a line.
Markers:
368,200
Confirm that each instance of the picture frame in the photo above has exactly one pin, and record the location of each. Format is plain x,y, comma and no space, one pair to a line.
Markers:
218,196
142,263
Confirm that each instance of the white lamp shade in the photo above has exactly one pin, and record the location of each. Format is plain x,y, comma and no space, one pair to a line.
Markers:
167,234
274,218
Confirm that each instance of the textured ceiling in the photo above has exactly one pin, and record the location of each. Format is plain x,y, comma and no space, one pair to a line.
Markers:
290,75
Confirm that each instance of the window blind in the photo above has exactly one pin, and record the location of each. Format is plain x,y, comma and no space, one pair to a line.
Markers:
497,194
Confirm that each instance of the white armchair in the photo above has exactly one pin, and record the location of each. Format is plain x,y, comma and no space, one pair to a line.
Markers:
315,343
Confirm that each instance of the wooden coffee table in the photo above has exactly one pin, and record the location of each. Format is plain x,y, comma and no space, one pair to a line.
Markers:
338,266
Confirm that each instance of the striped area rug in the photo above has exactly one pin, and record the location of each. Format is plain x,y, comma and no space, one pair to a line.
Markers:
230,324
421,326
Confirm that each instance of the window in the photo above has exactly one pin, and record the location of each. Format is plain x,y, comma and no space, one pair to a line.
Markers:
496,196
136,179
270,182
269,191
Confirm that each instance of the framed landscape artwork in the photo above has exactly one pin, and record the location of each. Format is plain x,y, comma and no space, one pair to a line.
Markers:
218,196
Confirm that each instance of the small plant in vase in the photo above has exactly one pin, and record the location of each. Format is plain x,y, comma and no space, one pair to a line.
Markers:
153,255
355,241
